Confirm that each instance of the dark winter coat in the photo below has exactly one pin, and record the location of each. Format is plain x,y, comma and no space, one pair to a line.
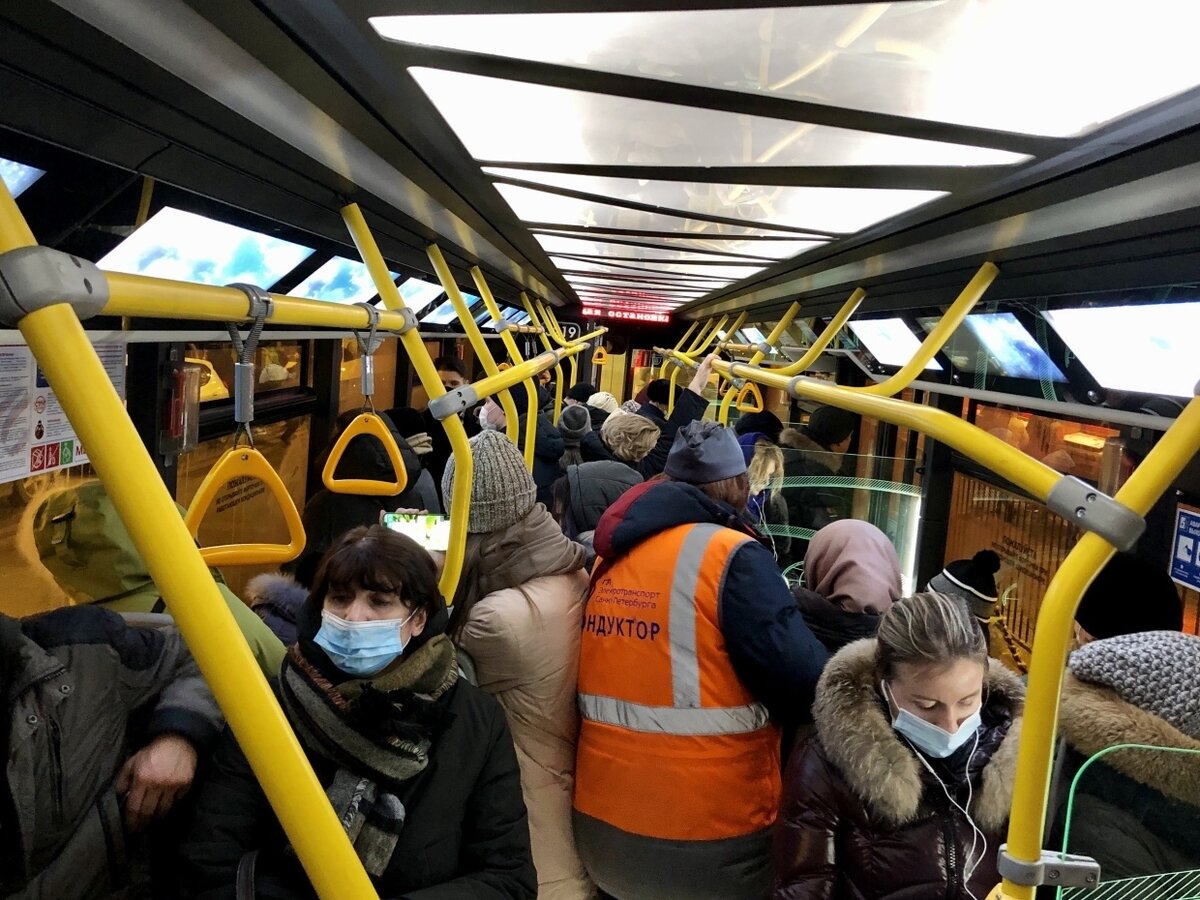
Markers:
1137,812
465,835
862,819
591,489
72,680
811,506
327,516
771,649
597,416
440,455
548,447
834,626
688,408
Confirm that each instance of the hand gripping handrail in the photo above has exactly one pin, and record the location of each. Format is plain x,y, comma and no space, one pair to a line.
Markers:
514,353
418,357
246,462
53,332
541,333
367,423
763,349
483,352
699,348
696,323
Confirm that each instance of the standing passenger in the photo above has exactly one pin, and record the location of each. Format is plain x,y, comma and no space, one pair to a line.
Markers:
452,372
574,425
601,405
517,615
547,445
1107,608
904,789
692,646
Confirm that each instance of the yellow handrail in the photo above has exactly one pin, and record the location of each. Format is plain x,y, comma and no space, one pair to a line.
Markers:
512,420
772,339
835,325
1052,640
662,372
514,353
418,357
368,424
237,463
97,414
558,372
937,338
556,334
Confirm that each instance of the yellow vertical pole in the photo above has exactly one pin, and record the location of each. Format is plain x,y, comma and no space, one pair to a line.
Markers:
97,414
558,371
475,336
776,333
514,352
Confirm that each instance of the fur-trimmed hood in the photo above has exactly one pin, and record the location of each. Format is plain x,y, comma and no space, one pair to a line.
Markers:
1094,717
878,766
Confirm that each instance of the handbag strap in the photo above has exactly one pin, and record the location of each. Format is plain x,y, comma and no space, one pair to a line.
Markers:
245,876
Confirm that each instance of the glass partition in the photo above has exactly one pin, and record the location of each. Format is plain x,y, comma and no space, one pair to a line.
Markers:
278,365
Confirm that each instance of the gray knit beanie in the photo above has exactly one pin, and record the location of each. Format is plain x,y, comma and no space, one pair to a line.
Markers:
502,491
1153,670
574,423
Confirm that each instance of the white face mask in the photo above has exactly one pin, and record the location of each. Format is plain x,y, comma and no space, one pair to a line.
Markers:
927,737
484,422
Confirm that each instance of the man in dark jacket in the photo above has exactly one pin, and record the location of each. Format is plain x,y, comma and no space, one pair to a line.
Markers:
72,681
813,455
712,675
658,398
584,494
548,444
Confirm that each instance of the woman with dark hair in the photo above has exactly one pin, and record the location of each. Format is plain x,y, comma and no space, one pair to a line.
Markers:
418,763
903,790
518,613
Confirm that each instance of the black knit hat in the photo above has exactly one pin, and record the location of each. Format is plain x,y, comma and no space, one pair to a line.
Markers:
581,391
829,425
974,580
659,391
573,424
1129,596
765,422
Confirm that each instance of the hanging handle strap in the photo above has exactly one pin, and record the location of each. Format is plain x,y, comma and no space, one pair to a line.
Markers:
243,367
366,349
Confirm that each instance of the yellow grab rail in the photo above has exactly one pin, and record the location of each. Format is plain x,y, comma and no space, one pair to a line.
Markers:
514,353
826,337
236,463
418,357
937,338
772,339
482,352
60,345
367,424
700,335
1052,641
558,337
558,372
755,403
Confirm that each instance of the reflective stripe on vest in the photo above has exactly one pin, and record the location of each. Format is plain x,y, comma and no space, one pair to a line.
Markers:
672,745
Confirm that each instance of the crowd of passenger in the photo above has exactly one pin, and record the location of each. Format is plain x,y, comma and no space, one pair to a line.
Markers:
624,698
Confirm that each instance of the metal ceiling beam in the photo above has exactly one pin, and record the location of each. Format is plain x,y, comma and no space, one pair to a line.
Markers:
921,178
740,102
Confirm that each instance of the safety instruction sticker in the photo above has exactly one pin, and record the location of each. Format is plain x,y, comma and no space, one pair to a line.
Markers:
35,435
1185,555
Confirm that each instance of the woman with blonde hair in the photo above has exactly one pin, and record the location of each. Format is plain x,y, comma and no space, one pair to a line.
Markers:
767,508
904,788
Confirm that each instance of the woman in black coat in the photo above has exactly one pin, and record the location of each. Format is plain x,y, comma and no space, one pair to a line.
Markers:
418,764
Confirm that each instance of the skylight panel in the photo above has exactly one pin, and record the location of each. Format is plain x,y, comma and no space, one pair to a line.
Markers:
188,247
771,249
340,280
890,341
938,61
18,177
606,129
834,209
552,243
419,294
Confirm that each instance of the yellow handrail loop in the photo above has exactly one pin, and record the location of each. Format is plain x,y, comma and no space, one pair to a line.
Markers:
750,399
600,357
368,423
246,462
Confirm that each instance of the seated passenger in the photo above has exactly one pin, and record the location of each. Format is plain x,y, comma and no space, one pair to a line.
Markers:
853,575
418,763
548,444
904,789
517,615
646,449
1106,611
327,516
574,425
1136,811
83,543
973,581
584,494
72,681
693,654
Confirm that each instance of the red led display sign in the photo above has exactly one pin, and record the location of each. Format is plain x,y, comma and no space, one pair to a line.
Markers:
601,312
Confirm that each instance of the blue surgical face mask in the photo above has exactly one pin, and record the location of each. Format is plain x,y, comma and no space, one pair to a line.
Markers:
361,649
927,737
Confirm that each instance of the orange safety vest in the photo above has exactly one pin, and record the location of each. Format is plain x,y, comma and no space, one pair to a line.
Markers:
672,745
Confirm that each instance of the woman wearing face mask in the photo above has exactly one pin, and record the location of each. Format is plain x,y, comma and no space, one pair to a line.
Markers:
417,763
904,789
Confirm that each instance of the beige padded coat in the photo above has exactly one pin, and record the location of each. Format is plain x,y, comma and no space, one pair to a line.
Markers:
524,643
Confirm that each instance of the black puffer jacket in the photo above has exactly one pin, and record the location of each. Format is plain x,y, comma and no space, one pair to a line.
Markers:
465,834
591,489
327,516
833,626
862,819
